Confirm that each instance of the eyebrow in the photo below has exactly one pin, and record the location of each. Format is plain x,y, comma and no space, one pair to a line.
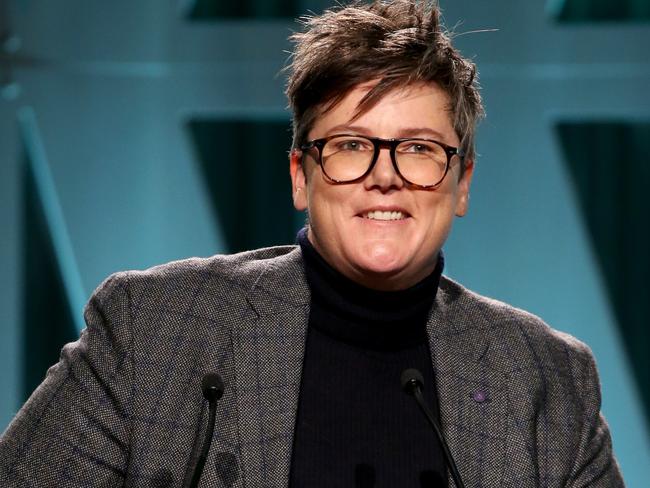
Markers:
402,133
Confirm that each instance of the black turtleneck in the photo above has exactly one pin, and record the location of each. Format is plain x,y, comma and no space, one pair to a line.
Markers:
355,426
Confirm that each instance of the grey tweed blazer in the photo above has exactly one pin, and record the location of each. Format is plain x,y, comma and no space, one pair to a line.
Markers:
123,406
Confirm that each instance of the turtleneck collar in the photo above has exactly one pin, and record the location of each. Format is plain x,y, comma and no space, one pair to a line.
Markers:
360,316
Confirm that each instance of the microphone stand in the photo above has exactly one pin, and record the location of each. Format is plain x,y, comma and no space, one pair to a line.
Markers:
412,382
212,386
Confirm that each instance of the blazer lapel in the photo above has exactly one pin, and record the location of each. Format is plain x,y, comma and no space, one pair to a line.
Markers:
472,395
269,349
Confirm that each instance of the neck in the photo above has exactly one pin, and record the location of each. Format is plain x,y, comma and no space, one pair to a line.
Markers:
364,316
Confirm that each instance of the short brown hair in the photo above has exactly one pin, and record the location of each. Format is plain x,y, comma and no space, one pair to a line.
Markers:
397,42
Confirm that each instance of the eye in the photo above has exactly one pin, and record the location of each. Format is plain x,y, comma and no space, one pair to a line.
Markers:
350,144
417,147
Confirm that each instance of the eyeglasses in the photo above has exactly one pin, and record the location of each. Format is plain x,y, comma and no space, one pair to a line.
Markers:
345,158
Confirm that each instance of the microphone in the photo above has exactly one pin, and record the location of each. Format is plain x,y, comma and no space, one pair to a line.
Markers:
212,387
412,383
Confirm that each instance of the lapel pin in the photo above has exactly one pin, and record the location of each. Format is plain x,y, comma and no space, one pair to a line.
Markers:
480,396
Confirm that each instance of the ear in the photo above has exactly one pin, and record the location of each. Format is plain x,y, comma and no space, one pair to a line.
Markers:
462,202
298,180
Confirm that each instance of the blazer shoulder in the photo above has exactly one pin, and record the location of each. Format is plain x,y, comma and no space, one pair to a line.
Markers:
243,267
225,275
512,327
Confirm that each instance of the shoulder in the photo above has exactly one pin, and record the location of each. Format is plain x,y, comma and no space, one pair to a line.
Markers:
177,282
517,338
242,268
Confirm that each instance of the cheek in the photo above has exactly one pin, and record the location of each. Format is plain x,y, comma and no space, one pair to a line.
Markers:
321,211
439,215
326,201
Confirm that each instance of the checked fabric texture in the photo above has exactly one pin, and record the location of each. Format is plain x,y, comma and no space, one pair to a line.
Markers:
520,402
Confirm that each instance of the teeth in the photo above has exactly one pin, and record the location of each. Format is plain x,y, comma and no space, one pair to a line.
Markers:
378,215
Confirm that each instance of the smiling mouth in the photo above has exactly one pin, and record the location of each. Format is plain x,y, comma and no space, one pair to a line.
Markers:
379,215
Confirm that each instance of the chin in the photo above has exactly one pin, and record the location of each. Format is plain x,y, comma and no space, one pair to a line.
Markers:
381,263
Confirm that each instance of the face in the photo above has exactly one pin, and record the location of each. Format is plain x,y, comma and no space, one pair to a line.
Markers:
379,231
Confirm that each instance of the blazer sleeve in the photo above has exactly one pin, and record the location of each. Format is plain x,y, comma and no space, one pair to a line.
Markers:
74,430
595,465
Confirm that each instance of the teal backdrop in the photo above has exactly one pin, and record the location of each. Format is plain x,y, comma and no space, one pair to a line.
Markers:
135,133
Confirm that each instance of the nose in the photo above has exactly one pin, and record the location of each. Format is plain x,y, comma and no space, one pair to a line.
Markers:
383,175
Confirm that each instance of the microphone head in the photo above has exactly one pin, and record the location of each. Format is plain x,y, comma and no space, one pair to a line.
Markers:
212,387
412,380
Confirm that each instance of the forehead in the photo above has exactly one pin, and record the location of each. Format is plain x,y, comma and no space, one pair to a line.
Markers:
404,108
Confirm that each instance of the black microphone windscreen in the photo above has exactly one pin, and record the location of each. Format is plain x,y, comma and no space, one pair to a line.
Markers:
411,379
212,386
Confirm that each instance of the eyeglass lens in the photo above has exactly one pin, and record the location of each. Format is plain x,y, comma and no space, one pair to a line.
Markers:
346,158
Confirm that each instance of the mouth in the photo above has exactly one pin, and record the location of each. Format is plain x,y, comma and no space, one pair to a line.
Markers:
385,215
